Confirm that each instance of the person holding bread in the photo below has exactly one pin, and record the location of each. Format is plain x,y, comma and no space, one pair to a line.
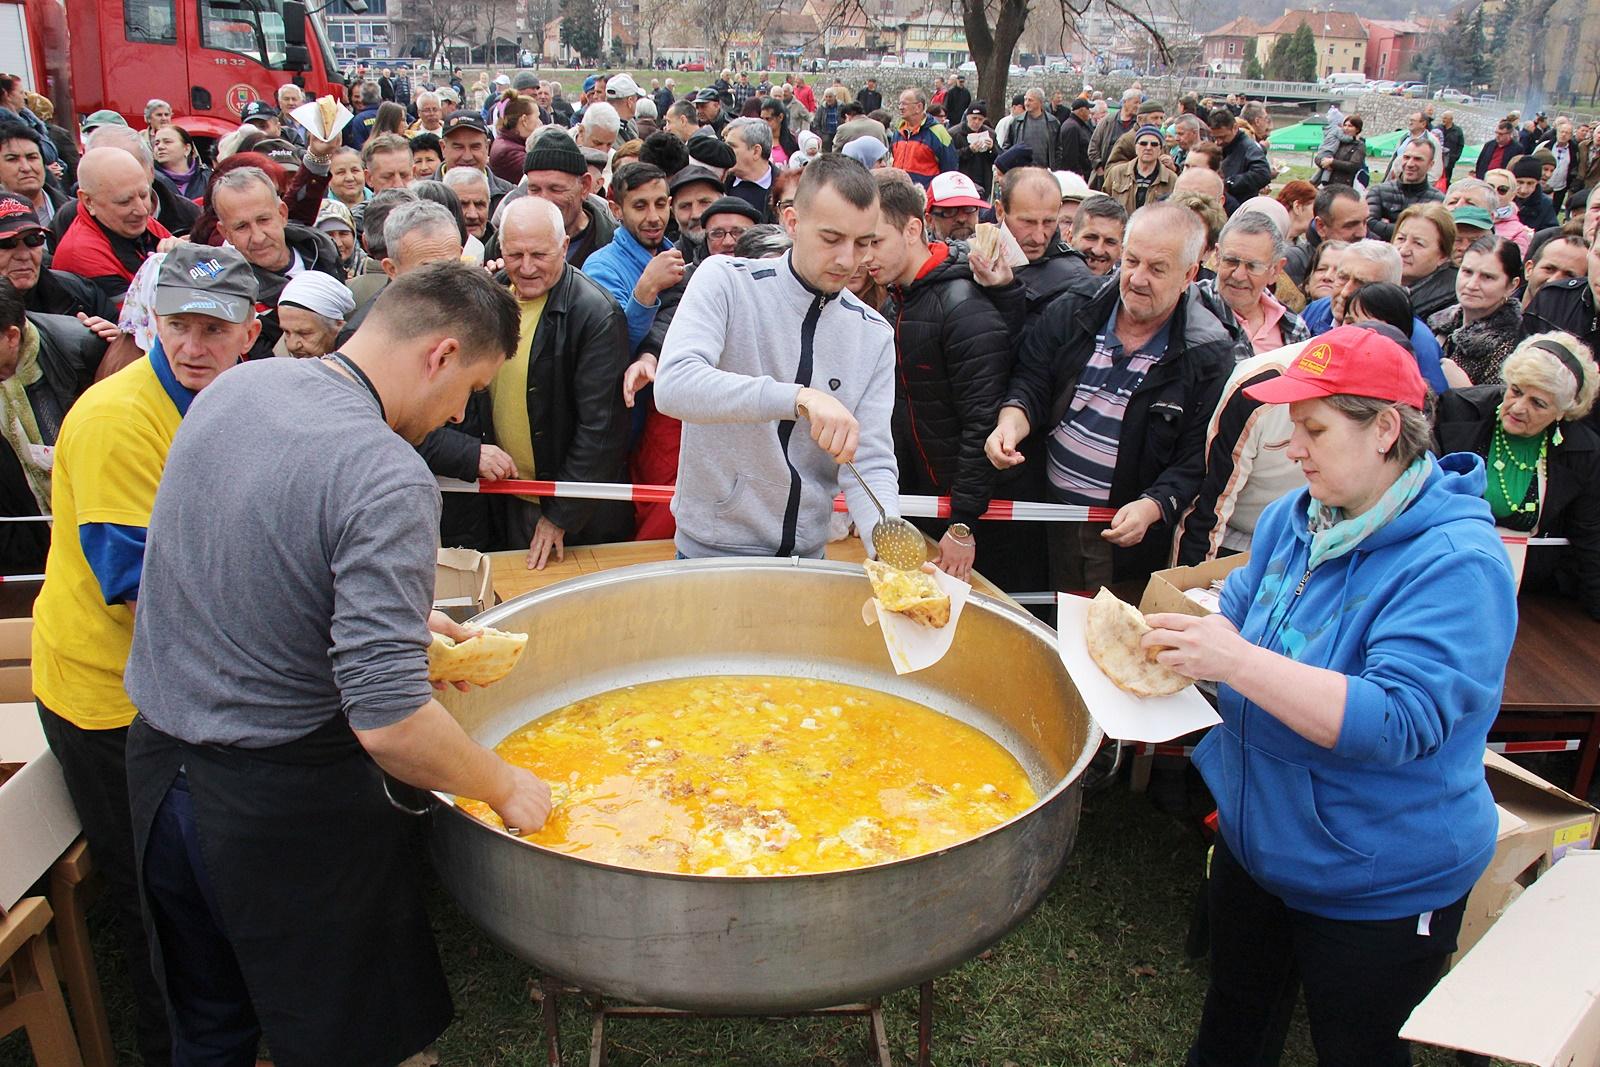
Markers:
1360,653
280,668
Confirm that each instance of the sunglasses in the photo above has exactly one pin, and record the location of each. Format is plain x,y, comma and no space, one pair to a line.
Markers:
1148,144
32,240
1502,189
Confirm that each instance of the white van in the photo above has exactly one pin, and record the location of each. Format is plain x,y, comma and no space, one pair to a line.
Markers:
1345,79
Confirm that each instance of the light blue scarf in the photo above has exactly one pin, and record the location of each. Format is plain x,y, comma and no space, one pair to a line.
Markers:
1333,535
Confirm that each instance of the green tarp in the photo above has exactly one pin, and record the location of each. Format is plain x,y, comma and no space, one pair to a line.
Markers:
1307,137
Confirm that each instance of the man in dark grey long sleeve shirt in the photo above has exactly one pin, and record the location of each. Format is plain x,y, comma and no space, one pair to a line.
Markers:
279,666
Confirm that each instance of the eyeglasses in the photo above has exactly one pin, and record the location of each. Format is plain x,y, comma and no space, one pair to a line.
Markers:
733,233
785,203
1502,189
32,240
952,212
1252,267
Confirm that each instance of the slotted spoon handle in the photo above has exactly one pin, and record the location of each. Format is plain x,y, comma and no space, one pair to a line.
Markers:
884,515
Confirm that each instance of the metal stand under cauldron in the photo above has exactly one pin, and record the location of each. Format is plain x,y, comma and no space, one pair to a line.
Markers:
547,994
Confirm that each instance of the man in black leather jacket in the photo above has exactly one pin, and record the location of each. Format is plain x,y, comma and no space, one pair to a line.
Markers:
570,424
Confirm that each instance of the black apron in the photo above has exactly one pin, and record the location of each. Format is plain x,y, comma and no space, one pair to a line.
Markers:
317,890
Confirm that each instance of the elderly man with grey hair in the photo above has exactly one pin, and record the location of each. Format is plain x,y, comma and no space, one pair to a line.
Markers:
750,177
1037,128
254,219
1111,128
1364,263
430,114
416,232
472,191
1116,385
599,127
1250,256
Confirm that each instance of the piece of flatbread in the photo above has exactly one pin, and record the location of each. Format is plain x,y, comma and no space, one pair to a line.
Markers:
328,111
986,241
1112,629
482,659
913,594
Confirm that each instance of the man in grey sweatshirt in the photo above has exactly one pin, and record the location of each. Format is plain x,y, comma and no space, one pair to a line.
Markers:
758,346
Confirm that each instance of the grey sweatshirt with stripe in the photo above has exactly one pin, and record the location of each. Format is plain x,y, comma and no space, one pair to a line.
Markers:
751,481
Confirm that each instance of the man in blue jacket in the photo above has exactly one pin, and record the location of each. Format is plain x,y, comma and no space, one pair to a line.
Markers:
639,263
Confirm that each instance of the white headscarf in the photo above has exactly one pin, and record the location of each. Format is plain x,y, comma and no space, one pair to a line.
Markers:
320,293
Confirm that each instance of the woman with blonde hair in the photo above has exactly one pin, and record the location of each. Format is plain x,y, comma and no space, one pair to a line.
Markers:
1506,222
1543,458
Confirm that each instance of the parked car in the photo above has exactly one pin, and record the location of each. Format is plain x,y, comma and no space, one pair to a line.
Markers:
1016,71
889,61
969,67
1381,86
1038,68
1414,90
1453,96
694,67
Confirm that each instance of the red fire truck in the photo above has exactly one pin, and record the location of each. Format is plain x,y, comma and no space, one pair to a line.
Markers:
207,58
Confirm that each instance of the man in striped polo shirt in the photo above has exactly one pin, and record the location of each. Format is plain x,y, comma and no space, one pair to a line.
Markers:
1116,389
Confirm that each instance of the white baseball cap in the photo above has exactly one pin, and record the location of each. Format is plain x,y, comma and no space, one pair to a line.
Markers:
1073,187
622,85
954,189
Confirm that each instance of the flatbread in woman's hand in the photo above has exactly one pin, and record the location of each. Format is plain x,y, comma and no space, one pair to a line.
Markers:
328,111
482,659
1113,629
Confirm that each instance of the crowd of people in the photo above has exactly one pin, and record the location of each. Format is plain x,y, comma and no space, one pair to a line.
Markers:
1083,302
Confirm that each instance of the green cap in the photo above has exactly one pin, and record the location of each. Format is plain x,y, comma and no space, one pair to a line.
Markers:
1472,215
103,117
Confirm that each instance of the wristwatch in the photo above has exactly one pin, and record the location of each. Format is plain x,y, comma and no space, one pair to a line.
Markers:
961,534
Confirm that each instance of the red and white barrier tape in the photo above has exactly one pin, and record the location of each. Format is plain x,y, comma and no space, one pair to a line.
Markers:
917,507
1502,747
921,507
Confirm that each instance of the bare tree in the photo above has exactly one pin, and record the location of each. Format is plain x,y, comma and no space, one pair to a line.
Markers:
440,21
494,15
654,17
720,20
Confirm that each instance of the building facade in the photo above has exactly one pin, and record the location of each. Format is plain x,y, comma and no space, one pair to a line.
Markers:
1223,49
1341,39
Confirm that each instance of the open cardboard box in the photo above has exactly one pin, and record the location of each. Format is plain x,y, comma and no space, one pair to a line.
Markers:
1529,992
463,583
1164,591
37,819
1539,824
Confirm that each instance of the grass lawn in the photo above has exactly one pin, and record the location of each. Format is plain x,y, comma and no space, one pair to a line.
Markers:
1096,978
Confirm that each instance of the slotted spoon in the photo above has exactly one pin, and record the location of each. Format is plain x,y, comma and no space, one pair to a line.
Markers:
896,542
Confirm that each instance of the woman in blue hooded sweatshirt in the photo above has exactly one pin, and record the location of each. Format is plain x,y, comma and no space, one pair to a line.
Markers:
1361,654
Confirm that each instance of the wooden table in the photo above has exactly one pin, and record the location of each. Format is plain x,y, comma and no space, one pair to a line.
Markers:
1553,679
513,578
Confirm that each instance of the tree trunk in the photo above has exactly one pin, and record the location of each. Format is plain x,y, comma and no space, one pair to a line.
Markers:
991,49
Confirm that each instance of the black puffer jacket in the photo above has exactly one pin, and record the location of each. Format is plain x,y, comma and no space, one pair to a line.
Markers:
1060,268
1161,453
953,359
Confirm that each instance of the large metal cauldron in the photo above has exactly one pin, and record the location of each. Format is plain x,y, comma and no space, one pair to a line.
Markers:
776,943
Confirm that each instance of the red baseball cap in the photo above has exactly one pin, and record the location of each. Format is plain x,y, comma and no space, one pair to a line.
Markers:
1347,361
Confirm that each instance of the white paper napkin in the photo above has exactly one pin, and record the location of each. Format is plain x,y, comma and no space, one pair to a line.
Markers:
911,645
1122,715
309,115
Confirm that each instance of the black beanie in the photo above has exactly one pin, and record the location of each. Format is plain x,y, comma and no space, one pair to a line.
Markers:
1527,167
711,151
555,151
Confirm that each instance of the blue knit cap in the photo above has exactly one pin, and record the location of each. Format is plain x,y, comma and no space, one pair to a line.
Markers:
1147,128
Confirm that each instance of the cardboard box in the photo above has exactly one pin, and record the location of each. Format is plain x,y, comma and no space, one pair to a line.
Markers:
16,652
1539,824
37,819
1530,991
1164,591
463,583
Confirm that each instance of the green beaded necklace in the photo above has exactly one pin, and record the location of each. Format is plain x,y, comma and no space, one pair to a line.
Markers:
1514,463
